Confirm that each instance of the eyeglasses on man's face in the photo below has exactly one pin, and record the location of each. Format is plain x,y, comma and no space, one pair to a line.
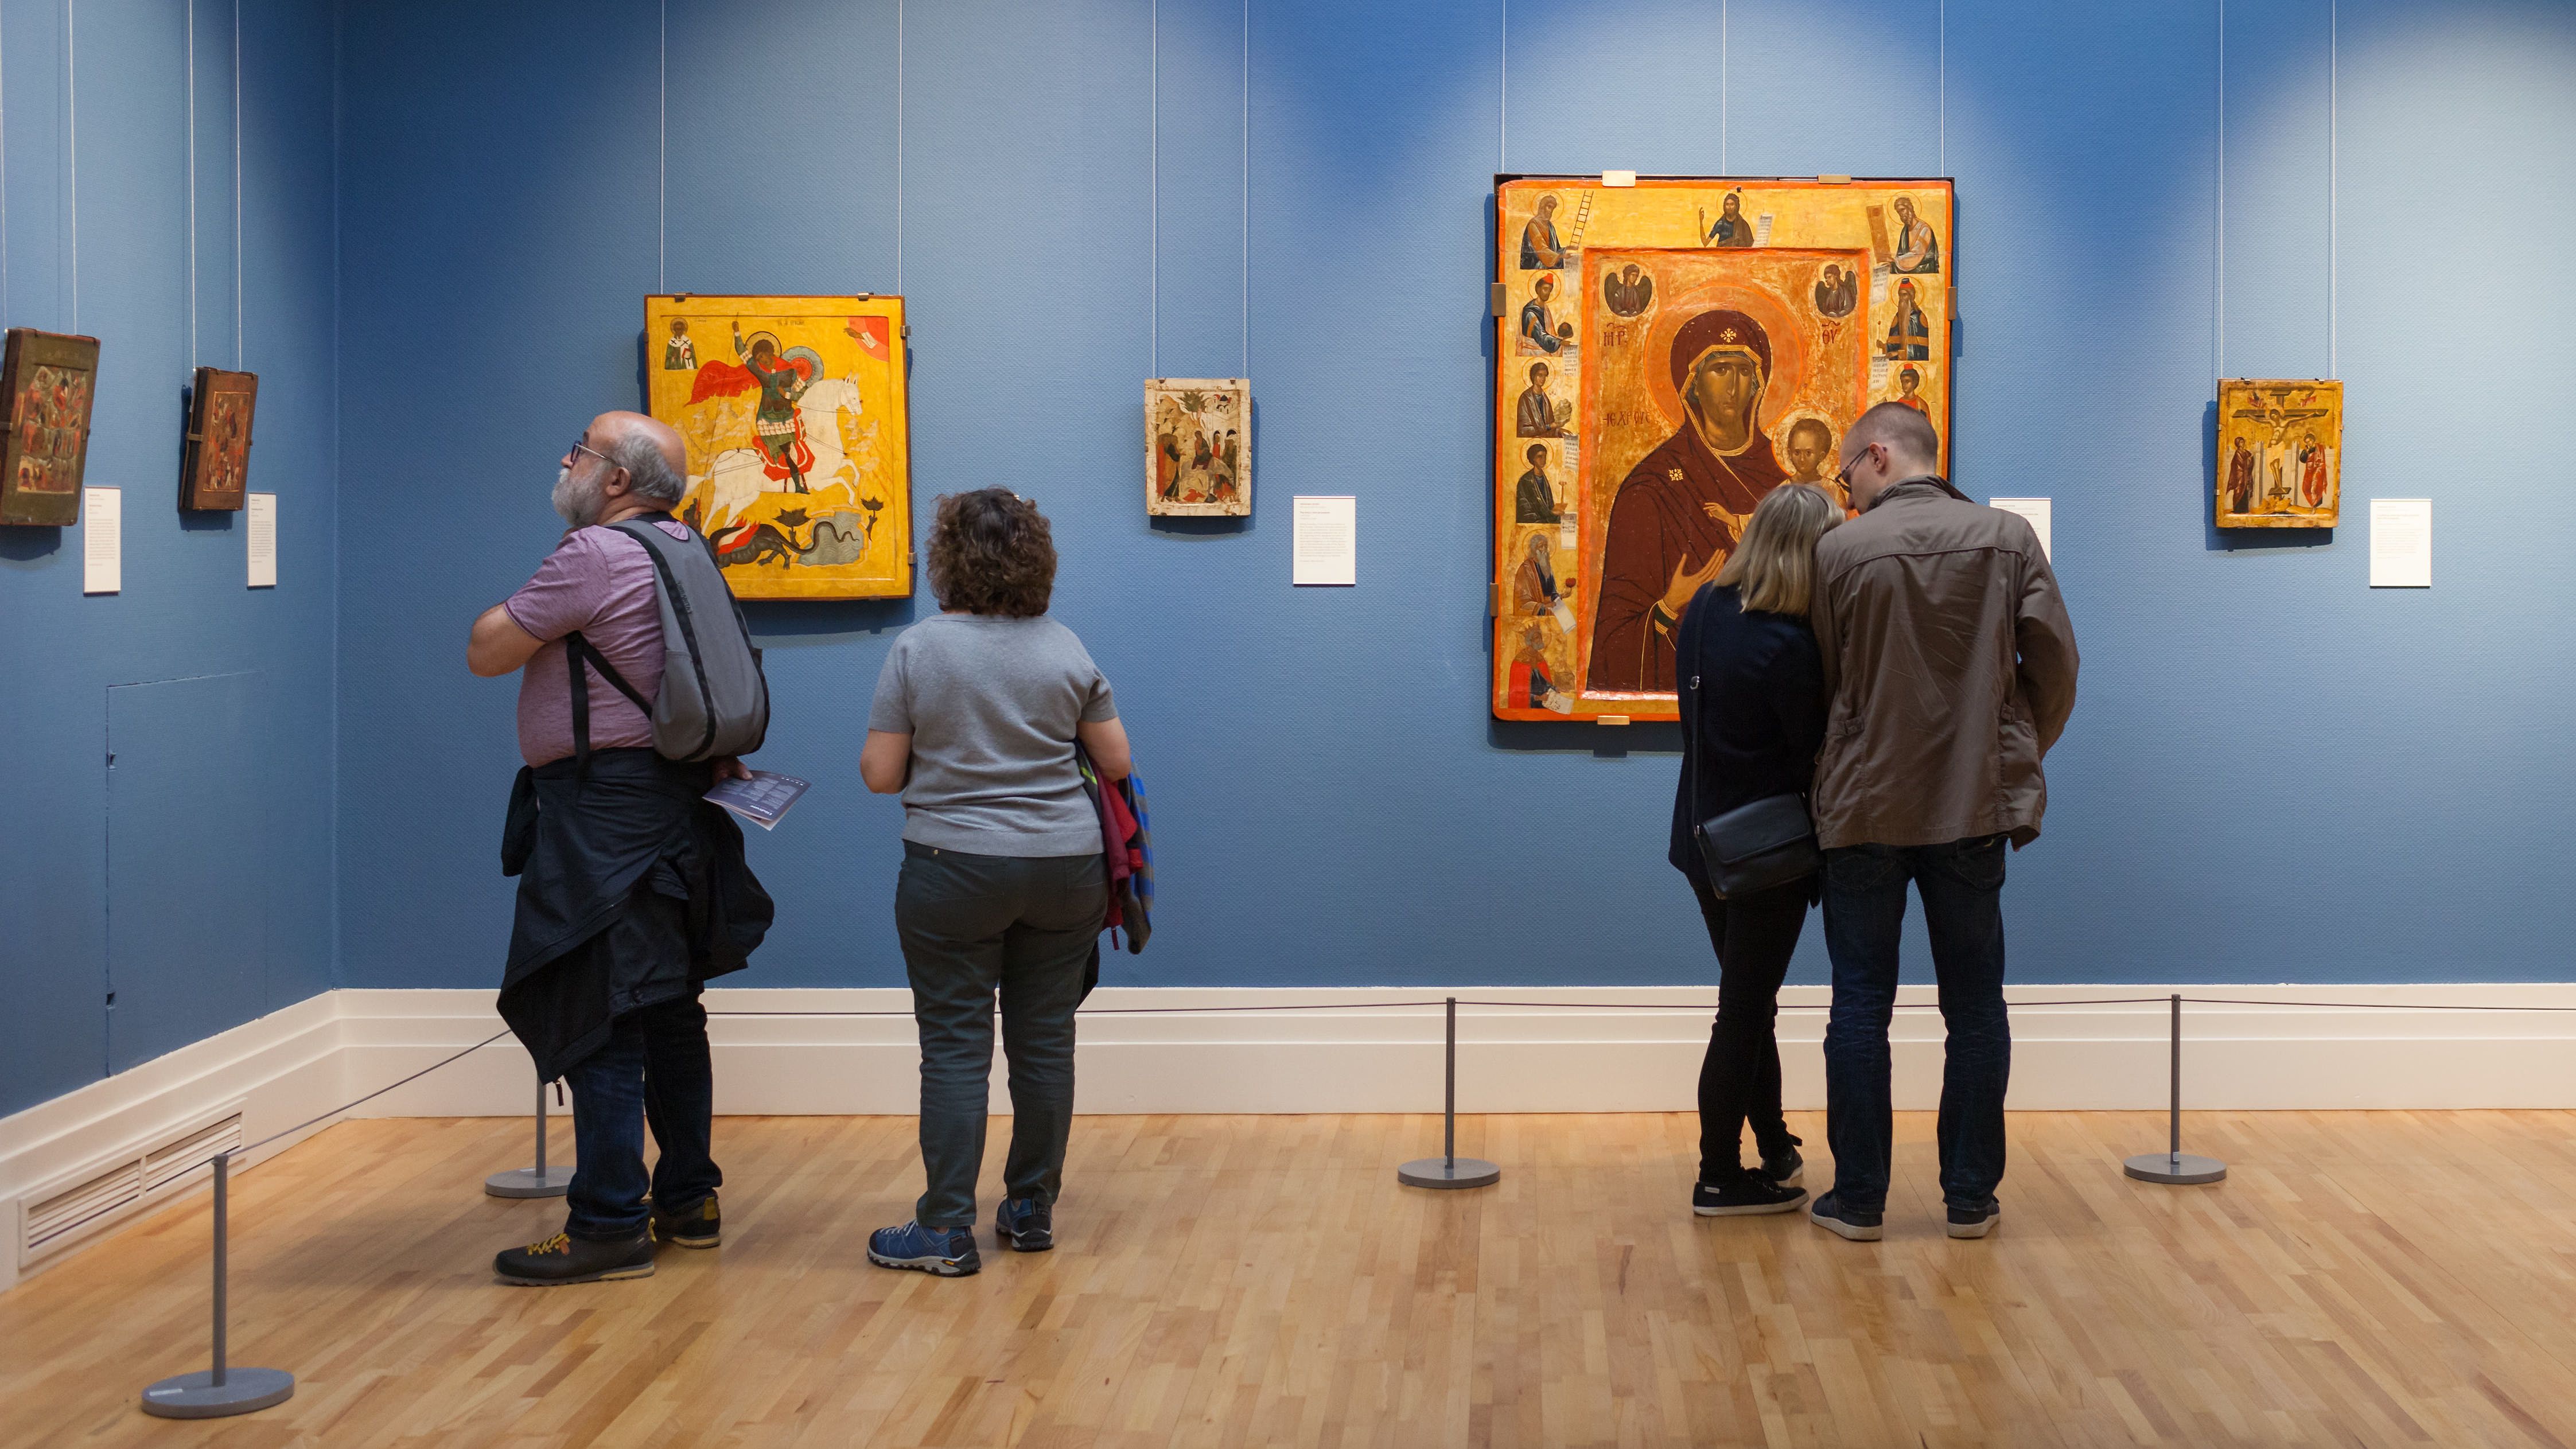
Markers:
1844,477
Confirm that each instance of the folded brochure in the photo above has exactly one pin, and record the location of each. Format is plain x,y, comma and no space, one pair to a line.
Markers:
763,799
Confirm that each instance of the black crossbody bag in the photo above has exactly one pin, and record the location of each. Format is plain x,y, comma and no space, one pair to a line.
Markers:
1754,847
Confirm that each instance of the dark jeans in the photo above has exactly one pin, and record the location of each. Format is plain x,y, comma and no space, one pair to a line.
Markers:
1739,1079
971,925
1962,886
654,1069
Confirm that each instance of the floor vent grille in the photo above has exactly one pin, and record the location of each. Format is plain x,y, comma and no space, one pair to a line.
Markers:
60,1215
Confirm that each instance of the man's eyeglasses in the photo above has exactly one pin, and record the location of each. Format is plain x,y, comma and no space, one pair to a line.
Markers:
1844,477
579,446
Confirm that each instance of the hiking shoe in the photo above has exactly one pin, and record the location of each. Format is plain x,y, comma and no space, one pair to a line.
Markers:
564,1259
1746,1194
1860,1227
1024,1223
946,1252
1788,1169
700,1227
1975,1222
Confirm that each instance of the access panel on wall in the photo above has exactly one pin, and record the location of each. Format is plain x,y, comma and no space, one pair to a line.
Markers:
1669,352
800,460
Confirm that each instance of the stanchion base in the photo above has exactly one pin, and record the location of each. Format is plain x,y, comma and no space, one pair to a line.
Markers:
528,1182
2177,1168
198,1396
1449,1172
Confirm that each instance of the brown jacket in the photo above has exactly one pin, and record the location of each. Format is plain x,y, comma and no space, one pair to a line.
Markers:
1949,670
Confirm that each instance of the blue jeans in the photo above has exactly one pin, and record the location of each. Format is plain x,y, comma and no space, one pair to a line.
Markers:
1962,886
973,925
654,1069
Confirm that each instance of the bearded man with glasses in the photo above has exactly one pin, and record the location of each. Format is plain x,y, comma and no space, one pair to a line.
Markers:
632,887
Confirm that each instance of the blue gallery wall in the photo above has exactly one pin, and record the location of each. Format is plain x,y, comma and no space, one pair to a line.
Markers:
2274,773
195,877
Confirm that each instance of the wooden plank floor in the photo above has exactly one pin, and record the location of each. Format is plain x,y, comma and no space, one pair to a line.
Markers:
2363,1279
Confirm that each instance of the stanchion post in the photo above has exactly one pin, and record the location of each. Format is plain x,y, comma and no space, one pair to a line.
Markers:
1449,1170
541,1180
2173,1166
222,1390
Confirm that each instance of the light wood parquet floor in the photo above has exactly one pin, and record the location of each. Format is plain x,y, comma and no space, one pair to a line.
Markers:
2363,1279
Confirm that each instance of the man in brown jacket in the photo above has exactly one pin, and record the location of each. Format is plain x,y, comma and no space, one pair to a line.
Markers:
1949,669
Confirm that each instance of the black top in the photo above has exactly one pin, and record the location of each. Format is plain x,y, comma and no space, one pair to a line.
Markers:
1760,710
632,890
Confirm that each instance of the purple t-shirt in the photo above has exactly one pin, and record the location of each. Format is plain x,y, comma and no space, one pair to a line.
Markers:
600,582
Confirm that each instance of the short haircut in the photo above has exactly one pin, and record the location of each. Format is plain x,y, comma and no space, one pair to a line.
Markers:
1773,567
991,552
640,454
1537,453
1906,434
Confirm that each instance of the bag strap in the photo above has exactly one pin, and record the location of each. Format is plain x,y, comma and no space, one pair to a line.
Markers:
1686,655
577,650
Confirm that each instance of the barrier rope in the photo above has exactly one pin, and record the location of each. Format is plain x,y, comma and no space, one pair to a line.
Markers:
371,1096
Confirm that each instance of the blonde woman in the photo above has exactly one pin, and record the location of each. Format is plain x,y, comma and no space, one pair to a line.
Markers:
1753,697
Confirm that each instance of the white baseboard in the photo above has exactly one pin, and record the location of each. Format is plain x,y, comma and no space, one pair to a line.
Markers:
1547,1056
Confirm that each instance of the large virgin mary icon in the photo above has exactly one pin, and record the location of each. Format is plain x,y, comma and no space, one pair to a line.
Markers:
1677,514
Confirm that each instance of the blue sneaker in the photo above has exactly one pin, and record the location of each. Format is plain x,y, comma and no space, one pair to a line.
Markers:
947,1252
1024,1223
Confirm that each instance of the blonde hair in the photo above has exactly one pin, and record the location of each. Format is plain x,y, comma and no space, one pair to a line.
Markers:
1774,564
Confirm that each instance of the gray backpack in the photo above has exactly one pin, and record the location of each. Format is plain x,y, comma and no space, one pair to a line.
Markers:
714,699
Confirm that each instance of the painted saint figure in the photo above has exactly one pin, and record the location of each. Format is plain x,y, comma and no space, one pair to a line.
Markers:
679,354
1534,497
1732,229
1167,466
1907,381
1909,333
776,426
2240,479
1917,249
2312,471
1678,512
1229,459
1809,444
1837,291
1540,331
1629,291
1539,251
1534,588
1536,416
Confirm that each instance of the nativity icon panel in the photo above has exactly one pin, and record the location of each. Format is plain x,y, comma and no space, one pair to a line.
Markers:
2280,453
48,380
214,467
800,456
1198,447
1671,352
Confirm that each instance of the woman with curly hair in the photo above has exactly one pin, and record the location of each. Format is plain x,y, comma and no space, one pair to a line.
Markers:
1003,887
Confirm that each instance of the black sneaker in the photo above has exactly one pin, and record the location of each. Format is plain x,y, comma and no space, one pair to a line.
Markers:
700,1227
1975,1222
1024,1223
947,1252
1788,1169
1858,1226
563,1259
1747,1194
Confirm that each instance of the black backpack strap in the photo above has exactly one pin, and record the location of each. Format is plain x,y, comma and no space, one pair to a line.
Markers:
577,651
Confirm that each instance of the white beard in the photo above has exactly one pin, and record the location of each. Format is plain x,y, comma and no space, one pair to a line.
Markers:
578,503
